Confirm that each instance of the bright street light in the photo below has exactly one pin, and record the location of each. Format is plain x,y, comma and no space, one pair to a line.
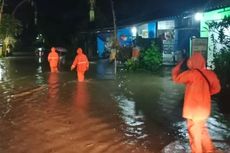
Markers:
198,16
134,31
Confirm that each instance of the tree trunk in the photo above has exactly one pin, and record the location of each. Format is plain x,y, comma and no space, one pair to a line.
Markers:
1,10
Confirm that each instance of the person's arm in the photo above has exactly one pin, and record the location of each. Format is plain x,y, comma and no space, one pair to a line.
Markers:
49,57
183,77
74,63
176,71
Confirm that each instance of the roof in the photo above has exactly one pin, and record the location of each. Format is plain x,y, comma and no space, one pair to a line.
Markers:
151,15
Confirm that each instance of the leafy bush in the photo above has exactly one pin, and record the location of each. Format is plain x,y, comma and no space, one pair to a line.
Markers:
222,66
132,64
151,58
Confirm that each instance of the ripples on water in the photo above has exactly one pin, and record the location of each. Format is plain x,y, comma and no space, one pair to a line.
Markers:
136,113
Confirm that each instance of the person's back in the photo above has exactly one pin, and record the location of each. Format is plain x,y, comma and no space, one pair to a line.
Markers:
53,59
82,62
200,83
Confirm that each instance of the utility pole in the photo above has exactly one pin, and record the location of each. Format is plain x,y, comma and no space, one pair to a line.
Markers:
18,5
114,21
33,4
1,9
114,36
92,11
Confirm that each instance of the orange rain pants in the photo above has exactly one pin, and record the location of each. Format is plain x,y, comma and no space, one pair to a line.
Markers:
81,76
200,141
53,68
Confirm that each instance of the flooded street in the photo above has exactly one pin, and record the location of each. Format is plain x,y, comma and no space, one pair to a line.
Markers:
139,112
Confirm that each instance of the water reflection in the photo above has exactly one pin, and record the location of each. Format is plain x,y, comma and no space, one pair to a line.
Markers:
81,97
3,75
105,69
137,110
156,100
39,75
218,123
133,119
53,87
6,89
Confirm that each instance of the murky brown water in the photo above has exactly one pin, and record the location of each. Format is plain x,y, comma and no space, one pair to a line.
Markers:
138,112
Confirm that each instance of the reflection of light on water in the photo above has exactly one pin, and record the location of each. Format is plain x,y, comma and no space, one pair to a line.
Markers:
182,129
218,124
39,76
39,69
2,71
39,60
134,123
6,98
217,129
7,106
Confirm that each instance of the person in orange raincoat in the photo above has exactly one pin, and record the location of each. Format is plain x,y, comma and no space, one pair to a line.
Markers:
200,83
53,59
81,64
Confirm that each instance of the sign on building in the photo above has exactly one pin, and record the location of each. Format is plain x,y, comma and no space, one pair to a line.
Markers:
199,44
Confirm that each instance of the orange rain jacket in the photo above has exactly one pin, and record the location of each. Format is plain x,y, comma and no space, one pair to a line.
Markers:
53,58
80,61
197,99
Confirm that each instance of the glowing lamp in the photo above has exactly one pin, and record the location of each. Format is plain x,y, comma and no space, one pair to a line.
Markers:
198,16
134,31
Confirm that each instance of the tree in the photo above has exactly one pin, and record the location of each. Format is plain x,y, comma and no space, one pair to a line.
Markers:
151,58
10,28
221,48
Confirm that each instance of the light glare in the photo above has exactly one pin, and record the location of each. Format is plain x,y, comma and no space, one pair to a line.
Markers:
198,16
134,31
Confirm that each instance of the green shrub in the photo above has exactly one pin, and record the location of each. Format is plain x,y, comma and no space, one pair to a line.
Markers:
132,64
151,58
221,57
222,66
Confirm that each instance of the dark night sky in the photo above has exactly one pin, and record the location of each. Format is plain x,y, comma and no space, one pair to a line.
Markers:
66,16
76,11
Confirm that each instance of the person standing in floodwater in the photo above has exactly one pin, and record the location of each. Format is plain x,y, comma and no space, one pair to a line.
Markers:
53,59
200,83
81,64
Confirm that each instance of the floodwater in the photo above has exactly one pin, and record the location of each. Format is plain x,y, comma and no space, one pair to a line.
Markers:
139,112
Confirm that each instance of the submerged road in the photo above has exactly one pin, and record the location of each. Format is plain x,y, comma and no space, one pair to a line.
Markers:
139,112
